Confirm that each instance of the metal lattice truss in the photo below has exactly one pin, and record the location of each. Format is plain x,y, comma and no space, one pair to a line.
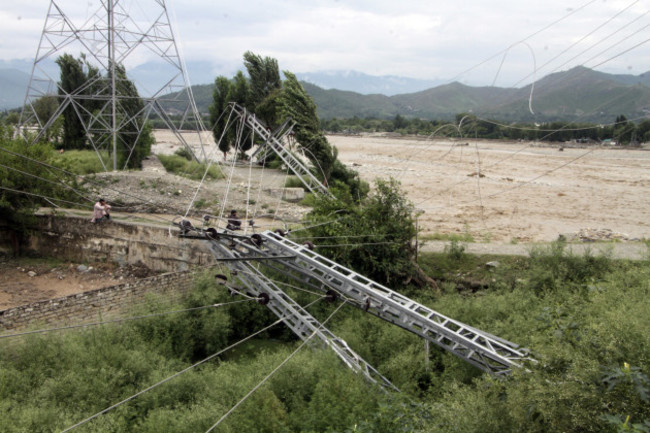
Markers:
273,142
489,353
119,34
485,351
304,325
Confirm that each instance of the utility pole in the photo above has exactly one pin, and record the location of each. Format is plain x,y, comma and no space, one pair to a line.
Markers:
111,62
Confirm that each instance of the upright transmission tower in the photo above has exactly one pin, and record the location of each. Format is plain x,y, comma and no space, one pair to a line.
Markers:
109,103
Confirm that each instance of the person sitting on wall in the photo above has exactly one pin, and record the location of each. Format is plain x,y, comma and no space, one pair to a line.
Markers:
234,223
101,211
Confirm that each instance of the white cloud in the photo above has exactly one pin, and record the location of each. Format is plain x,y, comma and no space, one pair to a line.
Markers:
410,38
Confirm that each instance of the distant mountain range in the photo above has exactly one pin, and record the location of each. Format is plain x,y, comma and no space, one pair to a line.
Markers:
13,83
579,94
365,84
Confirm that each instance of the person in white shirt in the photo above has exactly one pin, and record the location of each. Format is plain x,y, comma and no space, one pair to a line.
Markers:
101,211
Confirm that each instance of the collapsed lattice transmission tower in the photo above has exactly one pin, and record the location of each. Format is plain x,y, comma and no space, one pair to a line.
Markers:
110,104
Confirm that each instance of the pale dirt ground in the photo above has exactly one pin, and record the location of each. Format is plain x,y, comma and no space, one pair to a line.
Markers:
23,281
525,194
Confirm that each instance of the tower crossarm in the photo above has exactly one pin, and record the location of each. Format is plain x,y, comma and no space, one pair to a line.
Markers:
485,351
292,314
298,168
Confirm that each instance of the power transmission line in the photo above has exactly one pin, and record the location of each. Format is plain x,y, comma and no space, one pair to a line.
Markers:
125,319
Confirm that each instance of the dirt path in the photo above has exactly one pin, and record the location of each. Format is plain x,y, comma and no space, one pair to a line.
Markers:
626,250
250,190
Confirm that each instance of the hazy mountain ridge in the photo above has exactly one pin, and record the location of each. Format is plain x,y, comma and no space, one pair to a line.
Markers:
578,94
13,85
365,84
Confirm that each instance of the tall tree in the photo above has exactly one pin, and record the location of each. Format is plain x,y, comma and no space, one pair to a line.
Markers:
239,92
624,131
80,78
218,118
297,104
265,85
135,137
272,101
226,91
71,82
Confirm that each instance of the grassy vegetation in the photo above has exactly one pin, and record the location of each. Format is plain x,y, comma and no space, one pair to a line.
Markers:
83,161
584,318
293,182
457,237
181,166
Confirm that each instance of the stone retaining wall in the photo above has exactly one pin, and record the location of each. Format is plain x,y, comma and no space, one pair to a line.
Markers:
96,304
76,239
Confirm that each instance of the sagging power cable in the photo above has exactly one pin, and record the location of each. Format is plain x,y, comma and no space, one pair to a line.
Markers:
90,418
126,319
275,370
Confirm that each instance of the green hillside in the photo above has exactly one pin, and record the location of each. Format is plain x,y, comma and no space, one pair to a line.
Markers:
578,94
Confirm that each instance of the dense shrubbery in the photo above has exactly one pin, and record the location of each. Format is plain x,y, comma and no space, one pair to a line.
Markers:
586,326
372,235
26,182
81,161
180,165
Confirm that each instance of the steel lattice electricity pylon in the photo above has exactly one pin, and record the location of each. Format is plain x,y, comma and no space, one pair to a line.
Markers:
116,36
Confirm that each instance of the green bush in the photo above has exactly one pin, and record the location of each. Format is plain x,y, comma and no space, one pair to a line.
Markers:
373,237
455,250
179,165
554,268
82,161
185,153
293,182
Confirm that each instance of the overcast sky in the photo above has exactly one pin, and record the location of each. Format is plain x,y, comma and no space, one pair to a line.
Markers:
477,42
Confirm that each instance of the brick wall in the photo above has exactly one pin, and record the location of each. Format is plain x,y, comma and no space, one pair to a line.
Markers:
95,305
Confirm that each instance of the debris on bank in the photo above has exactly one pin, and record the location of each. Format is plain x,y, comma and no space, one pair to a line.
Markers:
595,235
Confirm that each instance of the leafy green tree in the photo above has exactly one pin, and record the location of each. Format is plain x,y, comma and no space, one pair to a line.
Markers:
11,118
624,130
79,77
273,100
644,131
24,183
239,92
227,91
373,237
298,105
45,107
400,122
265,83
135,135
71,82
218,117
